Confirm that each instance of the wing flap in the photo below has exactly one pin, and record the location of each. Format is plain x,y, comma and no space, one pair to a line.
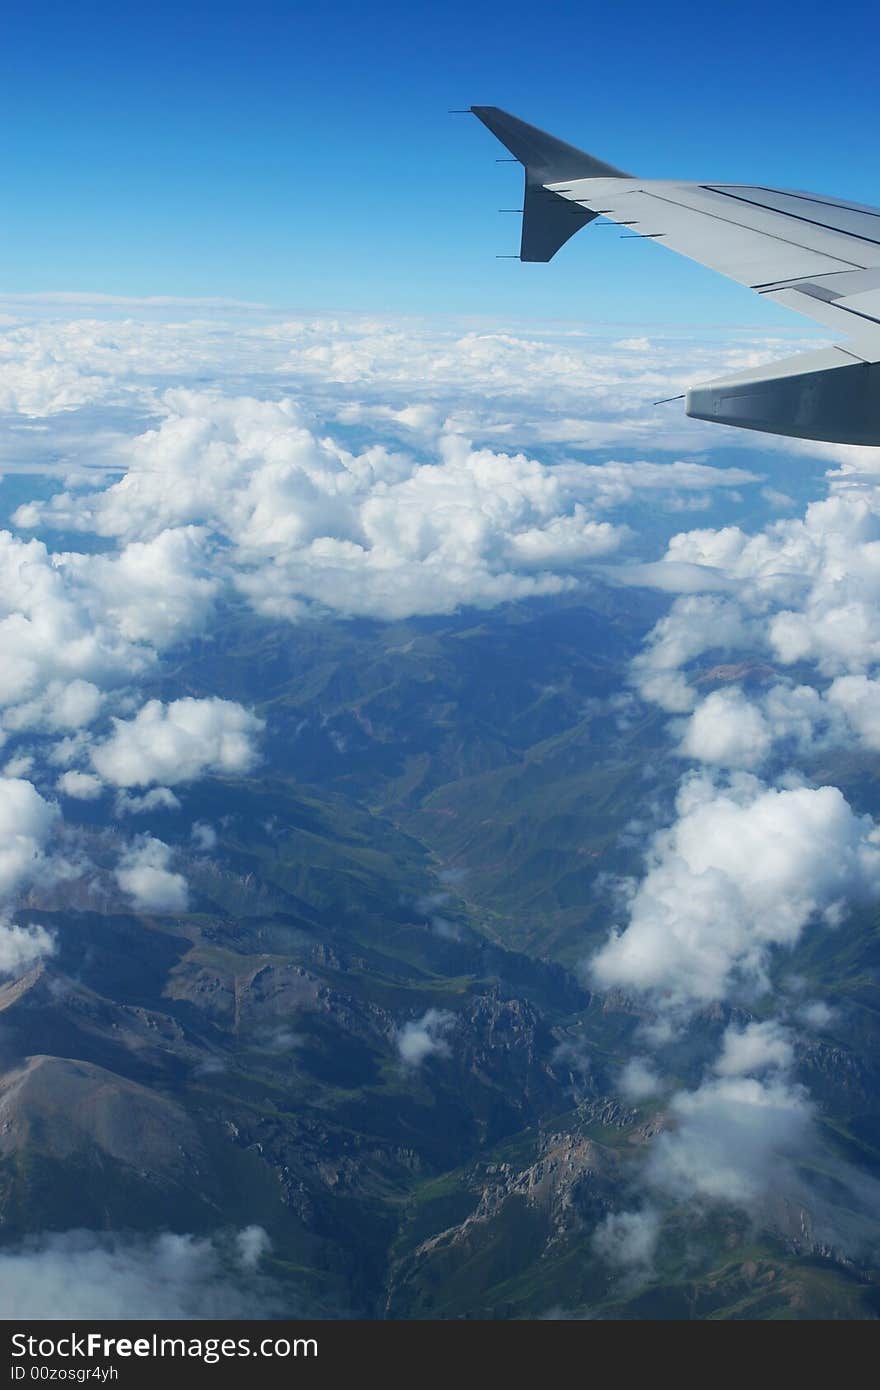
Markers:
825,214
754,246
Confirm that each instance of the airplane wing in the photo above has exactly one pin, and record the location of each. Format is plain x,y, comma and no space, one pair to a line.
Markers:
817,255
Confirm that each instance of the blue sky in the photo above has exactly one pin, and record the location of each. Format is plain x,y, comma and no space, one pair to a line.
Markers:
302,155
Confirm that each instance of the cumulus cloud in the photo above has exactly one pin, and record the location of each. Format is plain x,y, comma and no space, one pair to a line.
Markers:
728,730
425,1037
156,591
252,1244
81,786
628,1239
74,625
143,873
22,947
59,706
731,730
858,700
156,799
19,765
203,836
816,1014
377,532
754,1049
747,1137
88,1274
695,624
26,822
742,870
638,1080
178,742
46,634
300,518
807,589
739,1132
730,1137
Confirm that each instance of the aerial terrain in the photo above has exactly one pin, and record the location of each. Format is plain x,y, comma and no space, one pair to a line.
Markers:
439,827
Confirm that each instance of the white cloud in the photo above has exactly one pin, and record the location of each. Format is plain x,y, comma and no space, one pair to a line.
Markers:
747,1137
19,765
638,1080
754,1049
732,1139
203,836
728,730
301,518
155,591
780,500
807,589
178,742
143,873
80,1275
73,626
59,706
253,1244
858,698
26,821
68,750
375,532
22,947
425,1037
46,633
743,869
816,1014
695,624
59,352
628,1239
156,799
82,786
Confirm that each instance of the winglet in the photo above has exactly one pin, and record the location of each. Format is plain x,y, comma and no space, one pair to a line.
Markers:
549,221
546,159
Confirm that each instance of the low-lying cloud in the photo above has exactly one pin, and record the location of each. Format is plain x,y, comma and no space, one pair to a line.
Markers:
145,875
425,1037
179,742
730,1139
742,870
88,1275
